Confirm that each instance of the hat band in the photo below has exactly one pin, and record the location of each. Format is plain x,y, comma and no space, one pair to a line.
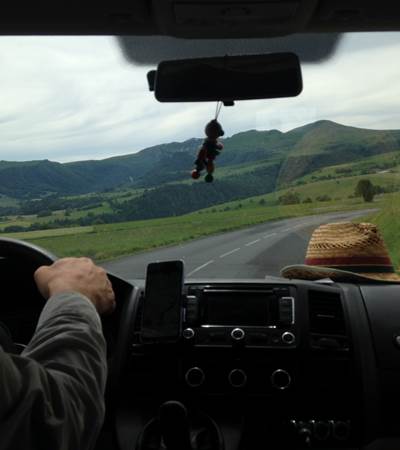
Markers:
365,269
350,261
369,265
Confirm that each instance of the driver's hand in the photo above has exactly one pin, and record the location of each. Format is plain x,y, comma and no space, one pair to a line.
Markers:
79,275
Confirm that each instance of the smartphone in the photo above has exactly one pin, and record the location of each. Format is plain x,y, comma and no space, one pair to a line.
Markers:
162,308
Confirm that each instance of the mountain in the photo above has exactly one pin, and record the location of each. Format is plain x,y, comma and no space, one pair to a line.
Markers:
326,143
292,154
36,178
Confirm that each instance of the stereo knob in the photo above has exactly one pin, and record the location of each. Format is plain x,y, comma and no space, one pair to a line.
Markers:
195,377
238,334
288,338
237,378
188,333
281,379
322,430
340,430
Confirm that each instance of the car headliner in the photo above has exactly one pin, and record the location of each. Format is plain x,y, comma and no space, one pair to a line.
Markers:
198,18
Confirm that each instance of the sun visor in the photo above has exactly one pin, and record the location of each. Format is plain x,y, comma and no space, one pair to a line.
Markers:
151,50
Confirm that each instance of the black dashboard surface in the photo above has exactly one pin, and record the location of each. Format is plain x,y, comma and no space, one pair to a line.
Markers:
343,369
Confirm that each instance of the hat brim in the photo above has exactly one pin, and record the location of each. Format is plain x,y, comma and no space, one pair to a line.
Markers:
305,272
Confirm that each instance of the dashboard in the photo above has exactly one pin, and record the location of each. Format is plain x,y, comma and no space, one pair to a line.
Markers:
269,363
262,364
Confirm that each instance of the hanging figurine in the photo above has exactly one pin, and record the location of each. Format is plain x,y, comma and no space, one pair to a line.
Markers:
209,150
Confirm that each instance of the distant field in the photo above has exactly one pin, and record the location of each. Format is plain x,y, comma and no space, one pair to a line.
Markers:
102,242
343,187
57,232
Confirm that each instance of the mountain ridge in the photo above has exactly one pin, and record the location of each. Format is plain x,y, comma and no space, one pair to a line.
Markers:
296,152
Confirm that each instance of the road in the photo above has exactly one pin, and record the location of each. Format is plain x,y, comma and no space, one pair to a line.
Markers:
248,253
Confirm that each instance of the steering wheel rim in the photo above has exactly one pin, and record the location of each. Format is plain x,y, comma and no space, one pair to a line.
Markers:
15,248
23,256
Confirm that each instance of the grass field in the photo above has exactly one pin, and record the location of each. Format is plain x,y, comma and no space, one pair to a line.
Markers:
57,232
102,242
388,221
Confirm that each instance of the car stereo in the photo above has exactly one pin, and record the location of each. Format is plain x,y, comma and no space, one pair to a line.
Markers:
264,316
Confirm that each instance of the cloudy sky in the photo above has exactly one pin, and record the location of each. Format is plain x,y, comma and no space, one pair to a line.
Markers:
72,98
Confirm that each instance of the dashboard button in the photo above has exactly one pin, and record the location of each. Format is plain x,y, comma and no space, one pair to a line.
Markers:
288,338
237,378
281,379
238,334
188,333
286,310
194,377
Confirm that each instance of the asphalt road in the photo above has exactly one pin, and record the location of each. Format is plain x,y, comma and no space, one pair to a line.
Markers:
248,253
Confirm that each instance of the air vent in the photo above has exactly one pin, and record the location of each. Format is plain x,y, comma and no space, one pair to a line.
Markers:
326,313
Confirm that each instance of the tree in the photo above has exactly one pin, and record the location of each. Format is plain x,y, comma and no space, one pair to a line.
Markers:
365,189
290,198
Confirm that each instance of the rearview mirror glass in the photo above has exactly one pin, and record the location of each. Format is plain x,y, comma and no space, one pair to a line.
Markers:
227,79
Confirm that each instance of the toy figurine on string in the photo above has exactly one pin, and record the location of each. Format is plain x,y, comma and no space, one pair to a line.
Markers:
210,149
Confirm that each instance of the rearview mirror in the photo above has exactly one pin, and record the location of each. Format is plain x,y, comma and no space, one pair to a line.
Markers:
227,79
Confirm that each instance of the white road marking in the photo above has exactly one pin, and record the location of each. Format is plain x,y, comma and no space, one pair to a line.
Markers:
287,230
200,267
269,235
229,253
252,242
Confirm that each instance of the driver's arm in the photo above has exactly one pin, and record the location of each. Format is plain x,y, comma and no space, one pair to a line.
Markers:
52,395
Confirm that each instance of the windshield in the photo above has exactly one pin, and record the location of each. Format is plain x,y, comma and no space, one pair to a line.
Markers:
91,164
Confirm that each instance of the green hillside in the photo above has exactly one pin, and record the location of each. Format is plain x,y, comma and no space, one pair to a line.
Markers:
297,153
326,143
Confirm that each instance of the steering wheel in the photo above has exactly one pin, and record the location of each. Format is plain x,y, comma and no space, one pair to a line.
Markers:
22,303
16,249
20,259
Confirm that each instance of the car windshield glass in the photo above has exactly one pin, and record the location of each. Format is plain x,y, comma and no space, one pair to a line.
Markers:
91,164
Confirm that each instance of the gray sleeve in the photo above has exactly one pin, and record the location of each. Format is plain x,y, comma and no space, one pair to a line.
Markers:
52,396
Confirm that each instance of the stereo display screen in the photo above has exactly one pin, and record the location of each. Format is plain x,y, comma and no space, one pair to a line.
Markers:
239,308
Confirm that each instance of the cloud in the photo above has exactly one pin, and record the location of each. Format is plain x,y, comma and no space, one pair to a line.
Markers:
70,98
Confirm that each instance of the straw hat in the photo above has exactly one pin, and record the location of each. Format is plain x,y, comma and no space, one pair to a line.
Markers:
345,252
